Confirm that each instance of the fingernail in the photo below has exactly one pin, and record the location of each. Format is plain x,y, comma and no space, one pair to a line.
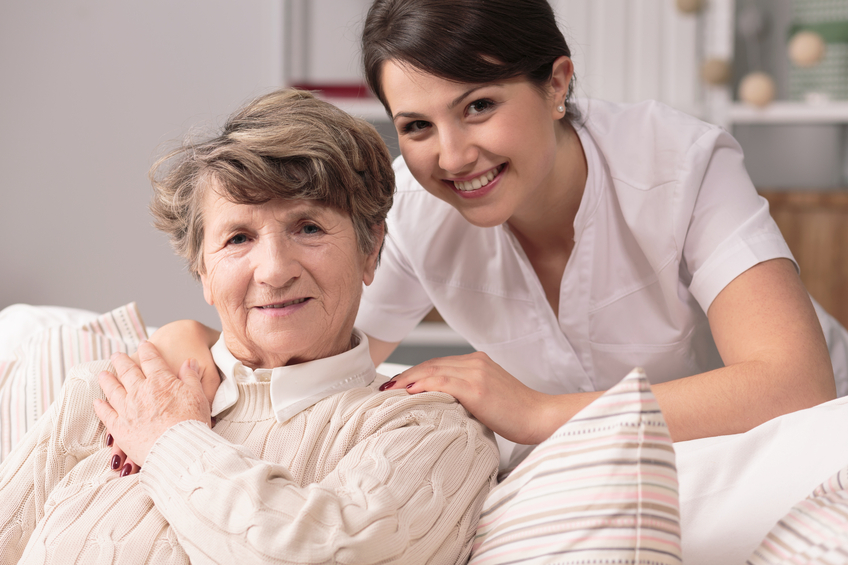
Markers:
194,366
410,385
387,385
116,462
109,440
126,470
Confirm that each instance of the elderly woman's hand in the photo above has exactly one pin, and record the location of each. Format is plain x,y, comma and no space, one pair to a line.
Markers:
175,342
142,403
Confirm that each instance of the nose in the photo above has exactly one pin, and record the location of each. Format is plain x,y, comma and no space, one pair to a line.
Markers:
275,263
458,151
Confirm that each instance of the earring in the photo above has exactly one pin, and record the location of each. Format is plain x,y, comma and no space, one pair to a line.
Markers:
560,108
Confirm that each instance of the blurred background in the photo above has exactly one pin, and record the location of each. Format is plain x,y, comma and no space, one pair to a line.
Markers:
93,91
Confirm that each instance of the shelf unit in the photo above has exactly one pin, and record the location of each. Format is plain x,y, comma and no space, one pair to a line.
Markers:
785,112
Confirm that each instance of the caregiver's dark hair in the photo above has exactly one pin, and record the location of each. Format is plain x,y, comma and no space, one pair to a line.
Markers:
473,41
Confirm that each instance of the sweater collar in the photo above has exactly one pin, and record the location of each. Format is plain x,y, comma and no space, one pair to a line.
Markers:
295,388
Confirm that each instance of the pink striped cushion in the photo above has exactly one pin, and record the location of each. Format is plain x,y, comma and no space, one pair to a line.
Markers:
814,531
602,489
31,381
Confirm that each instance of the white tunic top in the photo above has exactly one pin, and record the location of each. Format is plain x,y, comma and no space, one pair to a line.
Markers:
668,218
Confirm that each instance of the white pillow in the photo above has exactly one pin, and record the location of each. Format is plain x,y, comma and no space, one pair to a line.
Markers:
734,489
32,377
602,489
19,322
814,531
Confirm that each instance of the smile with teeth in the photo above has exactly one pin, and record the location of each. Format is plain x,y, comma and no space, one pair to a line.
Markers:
477,182
284,304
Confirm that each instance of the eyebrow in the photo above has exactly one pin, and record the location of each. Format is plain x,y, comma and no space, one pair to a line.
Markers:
453,104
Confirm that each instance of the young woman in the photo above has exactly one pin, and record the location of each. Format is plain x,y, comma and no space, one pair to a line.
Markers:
569,242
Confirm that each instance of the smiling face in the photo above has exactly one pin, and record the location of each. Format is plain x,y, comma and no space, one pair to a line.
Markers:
286,278
492,151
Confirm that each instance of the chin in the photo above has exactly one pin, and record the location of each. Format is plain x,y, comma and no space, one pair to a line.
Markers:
483,219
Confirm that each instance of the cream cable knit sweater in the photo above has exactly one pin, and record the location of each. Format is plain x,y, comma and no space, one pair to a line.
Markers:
360,477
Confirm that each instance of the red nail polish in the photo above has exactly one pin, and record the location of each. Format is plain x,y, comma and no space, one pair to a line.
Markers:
409,385
387,385
116,462
126,470
109,440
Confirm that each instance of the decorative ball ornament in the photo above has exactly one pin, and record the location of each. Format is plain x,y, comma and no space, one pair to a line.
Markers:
715,72
757,88
806,48
690,6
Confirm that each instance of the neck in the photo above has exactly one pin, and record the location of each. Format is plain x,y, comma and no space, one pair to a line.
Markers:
256,359
548,219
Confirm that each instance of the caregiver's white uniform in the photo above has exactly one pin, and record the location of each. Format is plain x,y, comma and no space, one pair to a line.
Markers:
668,218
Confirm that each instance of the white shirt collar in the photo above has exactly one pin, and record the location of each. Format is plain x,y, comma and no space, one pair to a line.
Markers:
296,387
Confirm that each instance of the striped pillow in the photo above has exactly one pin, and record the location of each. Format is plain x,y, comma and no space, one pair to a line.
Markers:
33,379
602,489
814,531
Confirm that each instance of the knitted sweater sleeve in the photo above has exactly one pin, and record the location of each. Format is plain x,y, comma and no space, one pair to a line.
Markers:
67,433
407,490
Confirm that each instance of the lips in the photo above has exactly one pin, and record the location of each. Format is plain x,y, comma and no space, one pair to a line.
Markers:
479,181
283,304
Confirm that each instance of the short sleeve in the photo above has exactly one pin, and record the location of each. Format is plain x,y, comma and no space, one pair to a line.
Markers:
396,301
730,229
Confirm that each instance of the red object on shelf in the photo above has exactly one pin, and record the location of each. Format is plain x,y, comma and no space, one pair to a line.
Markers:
351,90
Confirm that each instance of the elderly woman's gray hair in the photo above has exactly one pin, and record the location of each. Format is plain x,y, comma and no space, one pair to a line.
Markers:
286,144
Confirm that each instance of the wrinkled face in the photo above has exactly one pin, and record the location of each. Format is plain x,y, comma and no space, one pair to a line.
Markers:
285,276
486,149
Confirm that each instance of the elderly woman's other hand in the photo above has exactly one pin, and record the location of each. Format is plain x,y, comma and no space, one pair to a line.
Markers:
142,403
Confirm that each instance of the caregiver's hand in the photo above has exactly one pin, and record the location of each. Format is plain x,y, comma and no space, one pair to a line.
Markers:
493,396
184,339
141,406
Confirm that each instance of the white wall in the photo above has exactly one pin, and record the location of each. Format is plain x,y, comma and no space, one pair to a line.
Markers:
89,90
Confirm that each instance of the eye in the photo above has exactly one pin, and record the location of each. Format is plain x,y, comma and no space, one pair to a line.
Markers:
311,229
480,106
415,126
237,239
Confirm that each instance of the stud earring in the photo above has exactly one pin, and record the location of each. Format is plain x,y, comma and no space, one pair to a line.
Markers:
560,108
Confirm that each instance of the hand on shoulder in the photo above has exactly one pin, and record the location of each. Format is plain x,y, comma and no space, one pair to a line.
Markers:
493,396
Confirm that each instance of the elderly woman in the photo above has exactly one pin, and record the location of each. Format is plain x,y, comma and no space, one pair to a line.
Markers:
298,459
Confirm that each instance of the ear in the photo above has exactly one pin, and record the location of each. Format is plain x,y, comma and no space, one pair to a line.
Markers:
561,73
373,258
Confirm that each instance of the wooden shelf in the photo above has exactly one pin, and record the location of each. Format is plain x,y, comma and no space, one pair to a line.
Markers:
815,226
